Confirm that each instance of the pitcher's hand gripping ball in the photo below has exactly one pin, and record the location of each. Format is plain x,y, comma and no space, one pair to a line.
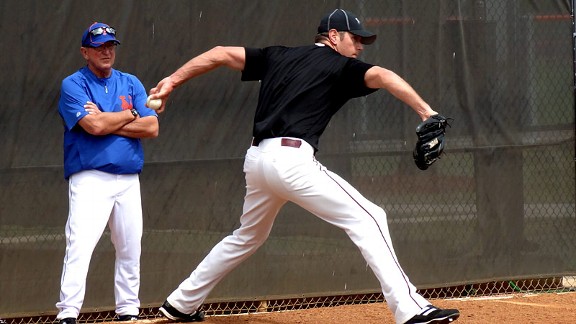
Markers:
154,103
431,142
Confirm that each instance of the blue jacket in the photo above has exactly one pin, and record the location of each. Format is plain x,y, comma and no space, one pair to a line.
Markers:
109,153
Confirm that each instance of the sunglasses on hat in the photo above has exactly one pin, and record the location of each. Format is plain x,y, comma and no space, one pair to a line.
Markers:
101,30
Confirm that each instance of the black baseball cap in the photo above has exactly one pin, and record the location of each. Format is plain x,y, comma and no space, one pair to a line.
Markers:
343,20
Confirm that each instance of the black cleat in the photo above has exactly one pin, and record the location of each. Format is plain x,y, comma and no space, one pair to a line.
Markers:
125,318
172,313
67,320
435,315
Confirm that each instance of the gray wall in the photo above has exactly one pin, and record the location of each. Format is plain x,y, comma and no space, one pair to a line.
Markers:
499,205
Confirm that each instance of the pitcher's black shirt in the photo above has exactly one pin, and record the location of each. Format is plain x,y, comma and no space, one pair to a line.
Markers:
301,89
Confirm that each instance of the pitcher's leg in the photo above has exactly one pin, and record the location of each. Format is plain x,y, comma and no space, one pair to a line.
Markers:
334,200
256,223
259,212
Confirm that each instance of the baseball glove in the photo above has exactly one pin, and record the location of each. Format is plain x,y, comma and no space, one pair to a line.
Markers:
431,143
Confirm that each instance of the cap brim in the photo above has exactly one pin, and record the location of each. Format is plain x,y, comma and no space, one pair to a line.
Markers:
367,37
97,41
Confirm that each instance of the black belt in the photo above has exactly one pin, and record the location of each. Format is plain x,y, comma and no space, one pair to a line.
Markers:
284,142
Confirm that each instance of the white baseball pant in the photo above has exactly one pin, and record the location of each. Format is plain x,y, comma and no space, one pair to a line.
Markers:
276,174
95,199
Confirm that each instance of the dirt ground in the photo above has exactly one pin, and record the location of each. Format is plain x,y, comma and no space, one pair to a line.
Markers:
509,309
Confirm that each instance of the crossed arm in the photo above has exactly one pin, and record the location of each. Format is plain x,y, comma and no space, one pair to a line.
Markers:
118,123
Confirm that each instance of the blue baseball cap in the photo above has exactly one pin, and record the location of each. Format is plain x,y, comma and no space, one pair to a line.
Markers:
98,34
343,20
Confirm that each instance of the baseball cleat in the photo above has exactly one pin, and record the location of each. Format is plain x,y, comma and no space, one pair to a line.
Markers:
172,313
125,318
67,320
435,315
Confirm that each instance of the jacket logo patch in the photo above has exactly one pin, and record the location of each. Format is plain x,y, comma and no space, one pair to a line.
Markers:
126,105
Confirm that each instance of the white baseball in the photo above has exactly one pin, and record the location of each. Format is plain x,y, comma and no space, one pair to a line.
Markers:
154,103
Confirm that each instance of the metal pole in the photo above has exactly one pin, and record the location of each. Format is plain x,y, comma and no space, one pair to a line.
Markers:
574,66
574,70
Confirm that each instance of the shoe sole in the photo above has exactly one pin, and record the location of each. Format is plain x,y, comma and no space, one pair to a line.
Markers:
179,319
446,320
168,315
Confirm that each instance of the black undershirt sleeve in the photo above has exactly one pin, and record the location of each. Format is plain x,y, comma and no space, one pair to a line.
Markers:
254,69
354,78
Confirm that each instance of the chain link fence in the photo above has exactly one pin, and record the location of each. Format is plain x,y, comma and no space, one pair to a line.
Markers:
495,216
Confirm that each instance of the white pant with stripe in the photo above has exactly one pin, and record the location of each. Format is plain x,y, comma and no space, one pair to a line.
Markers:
276,174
